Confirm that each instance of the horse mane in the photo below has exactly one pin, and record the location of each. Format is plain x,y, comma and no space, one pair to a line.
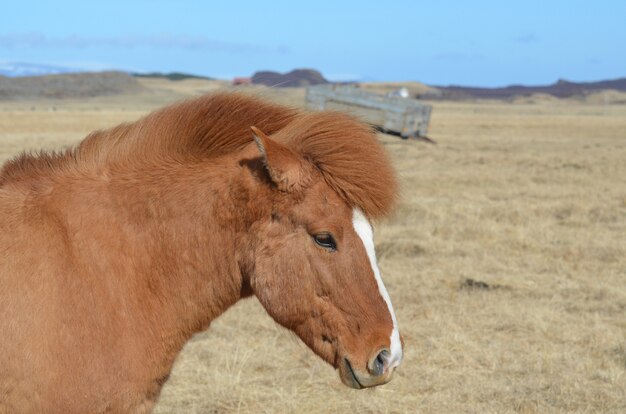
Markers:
205,127
343,149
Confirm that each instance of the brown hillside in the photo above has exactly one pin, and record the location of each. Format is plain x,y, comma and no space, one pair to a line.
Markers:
560,89
297,77
77,85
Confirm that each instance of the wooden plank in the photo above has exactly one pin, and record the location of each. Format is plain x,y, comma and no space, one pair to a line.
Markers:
402,115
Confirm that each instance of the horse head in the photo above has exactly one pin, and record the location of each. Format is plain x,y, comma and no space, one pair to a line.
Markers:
315,269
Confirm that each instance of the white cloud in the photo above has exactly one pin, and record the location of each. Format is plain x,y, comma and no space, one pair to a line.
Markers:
161,40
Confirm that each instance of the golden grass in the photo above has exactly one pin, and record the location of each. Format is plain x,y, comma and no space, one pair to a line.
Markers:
529,199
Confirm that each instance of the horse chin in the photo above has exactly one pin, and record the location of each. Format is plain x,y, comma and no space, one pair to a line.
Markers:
348,376
353,378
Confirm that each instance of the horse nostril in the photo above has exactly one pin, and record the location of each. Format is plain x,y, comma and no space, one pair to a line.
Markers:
378,364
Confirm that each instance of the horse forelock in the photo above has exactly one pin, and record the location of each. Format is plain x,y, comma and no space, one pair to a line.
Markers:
349,157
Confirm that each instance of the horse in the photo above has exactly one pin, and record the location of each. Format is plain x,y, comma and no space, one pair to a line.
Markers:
116,251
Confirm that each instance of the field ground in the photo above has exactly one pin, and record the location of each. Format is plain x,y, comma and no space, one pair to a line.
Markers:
527,200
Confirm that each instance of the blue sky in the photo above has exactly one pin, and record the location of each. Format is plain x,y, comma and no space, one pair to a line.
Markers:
486,43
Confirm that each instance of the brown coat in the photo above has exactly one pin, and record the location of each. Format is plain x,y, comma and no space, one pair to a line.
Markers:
112,254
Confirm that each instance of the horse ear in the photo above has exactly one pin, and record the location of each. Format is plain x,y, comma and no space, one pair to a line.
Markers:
285,168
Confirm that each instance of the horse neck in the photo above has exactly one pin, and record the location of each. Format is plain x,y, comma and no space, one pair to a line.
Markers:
175,239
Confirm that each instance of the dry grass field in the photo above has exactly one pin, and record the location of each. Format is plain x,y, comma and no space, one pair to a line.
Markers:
528,200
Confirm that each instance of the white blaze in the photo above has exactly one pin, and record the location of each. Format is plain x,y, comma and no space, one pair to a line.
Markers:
364,229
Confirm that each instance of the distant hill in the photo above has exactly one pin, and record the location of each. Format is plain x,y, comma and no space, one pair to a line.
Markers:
173,76
295,78
76,85
560,89
16,69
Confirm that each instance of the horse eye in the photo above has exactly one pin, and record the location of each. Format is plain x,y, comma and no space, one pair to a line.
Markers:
326,241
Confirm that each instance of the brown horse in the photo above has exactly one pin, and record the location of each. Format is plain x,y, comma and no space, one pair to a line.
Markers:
115,252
